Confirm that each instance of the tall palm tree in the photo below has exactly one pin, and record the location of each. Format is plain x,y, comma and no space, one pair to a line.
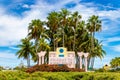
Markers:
53,24
64,13
26,50
42,46
98,51
93,25
75,20
36,31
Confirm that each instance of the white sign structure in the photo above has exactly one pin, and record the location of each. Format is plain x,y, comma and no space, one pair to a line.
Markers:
69,59
80,54
41,57
62,56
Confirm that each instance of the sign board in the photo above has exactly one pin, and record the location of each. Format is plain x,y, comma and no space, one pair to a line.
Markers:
62,56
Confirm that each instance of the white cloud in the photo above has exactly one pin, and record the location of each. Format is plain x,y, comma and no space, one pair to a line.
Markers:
26,6
111,14
116,48
10,59
14,48
107,41
12,29
7,55
113,39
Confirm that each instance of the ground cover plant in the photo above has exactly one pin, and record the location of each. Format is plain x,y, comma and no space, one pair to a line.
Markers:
19,75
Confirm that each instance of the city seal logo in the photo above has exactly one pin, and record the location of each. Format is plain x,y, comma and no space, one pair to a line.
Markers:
61,52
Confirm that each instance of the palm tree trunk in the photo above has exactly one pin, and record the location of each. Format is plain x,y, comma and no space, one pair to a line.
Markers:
28,61
74,42
92,63
36,48
92,46
57,41
63,38
54,44
88,62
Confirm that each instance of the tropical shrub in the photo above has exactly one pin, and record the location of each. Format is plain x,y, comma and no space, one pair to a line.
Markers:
115,62
52,68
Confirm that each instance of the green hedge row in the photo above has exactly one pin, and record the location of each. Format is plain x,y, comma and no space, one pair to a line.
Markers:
19,75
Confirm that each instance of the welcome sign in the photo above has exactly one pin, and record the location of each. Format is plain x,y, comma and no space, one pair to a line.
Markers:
62,56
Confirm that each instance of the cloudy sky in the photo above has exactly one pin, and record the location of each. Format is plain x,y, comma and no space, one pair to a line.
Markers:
16,14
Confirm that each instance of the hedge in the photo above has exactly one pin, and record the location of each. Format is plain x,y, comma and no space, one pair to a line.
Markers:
19,75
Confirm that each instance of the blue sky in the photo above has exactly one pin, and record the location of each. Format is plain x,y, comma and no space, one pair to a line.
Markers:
16,14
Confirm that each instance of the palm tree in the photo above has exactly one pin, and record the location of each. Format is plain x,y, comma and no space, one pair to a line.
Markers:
93,25
26,50
44,46
53,24
36,31
74,23
98,51
64,13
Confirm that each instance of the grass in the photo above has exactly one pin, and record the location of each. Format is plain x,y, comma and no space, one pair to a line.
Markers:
19,75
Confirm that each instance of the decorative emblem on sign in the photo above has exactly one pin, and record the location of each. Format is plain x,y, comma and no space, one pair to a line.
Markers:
61,52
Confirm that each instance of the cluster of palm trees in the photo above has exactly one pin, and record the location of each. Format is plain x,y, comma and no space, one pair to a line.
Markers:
62,29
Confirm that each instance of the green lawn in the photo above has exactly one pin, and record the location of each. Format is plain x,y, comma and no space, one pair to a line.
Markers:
18,75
